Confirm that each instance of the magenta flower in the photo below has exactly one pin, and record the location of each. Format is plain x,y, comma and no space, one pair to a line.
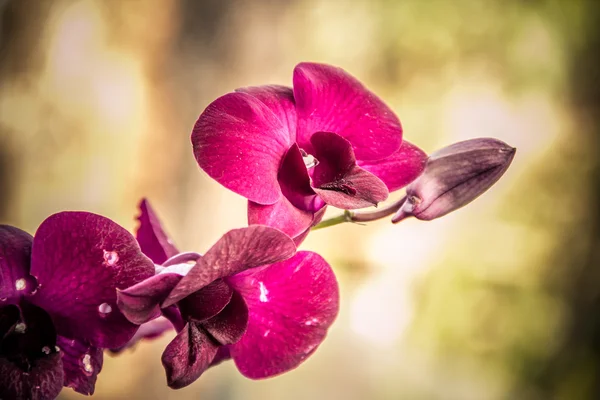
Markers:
58,302
245,299
291,151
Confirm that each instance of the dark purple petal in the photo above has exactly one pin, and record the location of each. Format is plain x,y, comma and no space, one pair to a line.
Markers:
30,366
338,180
43,381
9,316
82,364
80,259
280,100
236,251
148,330
291,305
188,356
15,257
141,303
174,316
240,142
229,325
206,302
399,169
153,240
222,355
32,337
328,99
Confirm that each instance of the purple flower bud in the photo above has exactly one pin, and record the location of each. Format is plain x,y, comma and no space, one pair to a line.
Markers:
454,176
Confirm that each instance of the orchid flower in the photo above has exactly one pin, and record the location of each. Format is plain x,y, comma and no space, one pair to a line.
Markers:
251,298
291,151
58,302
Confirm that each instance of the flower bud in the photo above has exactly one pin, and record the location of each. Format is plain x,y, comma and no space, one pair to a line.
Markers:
454,176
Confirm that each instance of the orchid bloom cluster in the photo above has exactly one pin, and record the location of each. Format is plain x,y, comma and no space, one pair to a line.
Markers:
83,284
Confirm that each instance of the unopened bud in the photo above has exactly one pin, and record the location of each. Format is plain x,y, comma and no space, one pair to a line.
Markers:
454,176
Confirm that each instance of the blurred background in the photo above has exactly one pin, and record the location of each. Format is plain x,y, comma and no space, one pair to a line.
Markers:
500,300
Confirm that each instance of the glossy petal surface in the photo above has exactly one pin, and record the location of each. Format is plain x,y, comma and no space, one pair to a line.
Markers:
15,257
240,142
81,363
153,240
80,259
291,305
141,303
188,356
229,325
338,180
399,169
236,251
328,99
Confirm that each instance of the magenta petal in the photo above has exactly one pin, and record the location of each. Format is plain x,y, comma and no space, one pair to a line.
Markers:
282,215
206,302
153,240
291,305
188,356
229,325
141,303
240,143
295,182
82,364
43,381
328,99
236,251
338,180
316,219
280,100
15,257
80,259
399,169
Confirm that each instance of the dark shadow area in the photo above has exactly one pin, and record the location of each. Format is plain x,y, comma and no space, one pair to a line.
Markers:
575,366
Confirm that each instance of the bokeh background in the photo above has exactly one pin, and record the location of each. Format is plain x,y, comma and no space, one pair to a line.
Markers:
500,300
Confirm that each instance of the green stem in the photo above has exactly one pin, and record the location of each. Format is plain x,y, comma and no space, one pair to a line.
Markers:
361,216
340,219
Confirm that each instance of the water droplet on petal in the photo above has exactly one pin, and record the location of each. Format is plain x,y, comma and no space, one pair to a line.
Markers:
20,327
88,369
111,257
266,333
20,284
46,350
104,309
3,299
57,349
263,293
312,321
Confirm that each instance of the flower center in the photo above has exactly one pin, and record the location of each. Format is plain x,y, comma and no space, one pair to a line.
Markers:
309,160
